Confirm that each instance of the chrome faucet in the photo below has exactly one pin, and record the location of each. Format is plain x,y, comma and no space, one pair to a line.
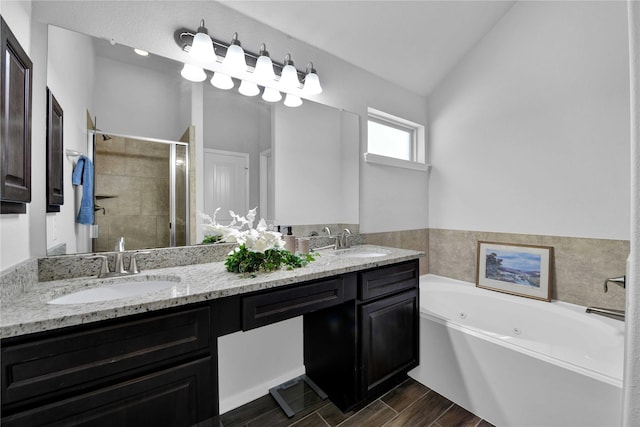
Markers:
342,241
119,250
607,312
610,312
119,270
620,281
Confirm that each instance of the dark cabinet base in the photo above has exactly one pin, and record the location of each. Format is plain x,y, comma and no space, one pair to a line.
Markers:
174,397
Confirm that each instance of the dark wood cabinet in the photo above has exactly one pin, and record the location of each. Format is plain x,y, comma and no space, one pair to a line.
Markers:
55,176
362,348
15,123
161,368
153,369
389,338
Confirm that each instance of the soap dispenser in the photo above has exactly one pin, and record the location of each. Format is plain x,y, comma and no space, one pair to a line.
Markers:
290,240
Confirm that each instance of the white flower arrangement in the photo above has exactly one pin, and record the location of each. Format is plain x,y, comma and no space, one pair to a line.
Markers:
259,248
240,230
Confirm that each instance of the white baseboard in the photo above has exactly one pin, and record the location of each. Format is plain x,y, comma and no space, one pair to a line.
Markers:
231,402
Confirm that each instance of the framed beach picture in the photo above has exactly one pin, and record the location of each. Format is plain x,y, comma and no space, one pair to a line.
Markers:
523,270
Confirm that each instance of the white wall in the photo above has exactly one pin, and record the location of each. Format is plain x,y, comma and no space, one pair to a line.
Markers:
70,74
308,165
140,101
23,236
530,133
233,122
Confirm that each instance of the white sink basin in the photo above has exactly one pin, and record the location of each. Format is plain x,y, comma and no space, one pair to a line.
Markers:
113,291
361,253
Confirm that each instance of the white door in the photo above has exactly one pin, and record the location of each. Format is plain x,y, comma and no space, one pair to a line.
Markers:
226,183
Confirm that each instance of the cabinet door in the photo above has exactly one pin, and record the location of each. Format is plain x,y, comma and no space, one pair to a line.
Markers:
15,123
389,338
175,397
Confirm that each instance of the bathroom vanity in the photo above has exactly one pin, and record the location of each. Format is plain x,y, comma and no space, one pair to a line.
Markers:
159,366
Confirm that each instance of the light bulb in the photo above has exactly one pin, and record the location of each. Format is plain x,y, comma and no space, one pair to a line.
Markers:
292,101
202,46
221,81
193,73
234,61
311,81
289,77
248,89
271,95
264,67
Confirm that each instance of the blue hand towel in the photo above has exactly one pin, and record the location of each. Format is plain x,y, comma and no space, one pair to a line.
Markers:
83,174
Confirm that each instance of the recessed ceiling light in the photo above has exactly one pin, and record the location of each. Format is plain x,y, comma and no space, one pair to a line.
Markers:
141,52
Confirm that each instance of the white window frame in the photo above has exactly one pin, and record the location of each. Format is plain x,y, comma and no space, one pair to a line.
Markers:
419,149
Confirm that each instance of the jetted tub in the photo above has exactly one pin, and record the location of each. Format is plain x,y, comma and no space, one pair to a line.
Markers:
516,361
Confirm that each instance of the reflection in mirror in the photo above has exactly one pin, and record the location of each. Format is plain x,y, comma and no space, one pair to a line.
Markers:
297,166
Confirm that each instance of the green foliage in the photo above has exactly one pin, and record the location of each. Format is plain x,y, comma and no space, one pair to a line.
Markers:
211,239
245,261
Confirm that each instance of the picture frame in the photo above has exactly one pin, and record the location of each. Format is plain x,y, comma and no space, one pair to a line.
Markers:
517,269
55,131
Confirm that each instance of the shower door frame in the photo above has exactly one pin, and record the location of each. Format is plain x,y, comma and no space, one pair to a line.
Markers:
91,150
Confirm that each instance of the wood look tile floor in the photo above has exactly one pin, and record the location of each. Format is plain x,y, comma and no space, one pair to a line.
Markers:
409,404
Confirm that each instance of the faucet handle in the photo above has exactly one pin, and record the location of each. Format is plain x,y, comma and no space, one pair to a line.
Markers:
120,245
104,266
620,281
133,265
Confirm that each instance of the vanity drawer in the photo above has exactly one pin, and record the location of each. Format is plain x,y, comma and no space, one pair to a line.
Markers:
274,306
59,363
388,280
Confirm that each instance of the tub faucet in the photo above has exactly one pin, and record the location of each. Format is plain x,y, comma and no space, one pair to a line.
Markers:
620,281
607,312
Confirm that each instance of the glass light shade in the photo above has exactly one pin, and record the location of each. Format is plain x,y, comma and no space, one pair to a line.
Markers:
292,101
289,78
202,48
264,70
221,81
271,95
248,89
234,61
193,73
312,84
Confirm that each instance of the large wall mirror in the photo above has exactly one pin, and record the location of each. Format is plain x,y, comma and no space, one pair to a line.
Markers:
298,166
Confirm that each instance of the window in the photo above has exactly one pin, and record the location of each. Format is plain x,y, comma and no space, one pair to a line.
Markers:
394,141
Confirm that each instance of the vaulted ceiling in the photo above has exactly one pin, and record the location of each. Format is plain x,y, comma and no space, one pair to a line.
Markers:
410,43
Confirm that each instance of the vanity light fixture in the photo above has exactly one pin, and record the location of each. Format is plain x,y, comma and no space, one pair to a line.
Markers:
202,47
311,81
264,67
234,60
222,81
252,70
193,73
289,77
271,95
248,88
292,100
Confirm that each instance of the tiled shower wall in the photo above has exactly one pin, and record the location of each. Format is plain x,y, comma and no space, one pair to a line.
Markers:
134,176
580,265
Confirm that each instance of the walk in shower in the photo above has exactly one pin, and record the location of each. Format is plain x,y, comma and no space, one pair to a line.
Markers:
141,191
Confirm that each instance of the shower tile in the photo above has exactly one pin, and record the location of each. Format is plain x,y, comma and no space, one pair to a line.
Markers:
452,253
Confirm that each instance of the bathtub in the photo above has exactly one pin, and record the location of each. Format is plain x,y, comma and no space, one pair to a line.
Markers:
516,361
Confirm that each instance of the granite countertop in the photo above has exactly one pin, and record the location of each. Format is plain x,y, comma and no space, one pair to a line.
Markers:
29,312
